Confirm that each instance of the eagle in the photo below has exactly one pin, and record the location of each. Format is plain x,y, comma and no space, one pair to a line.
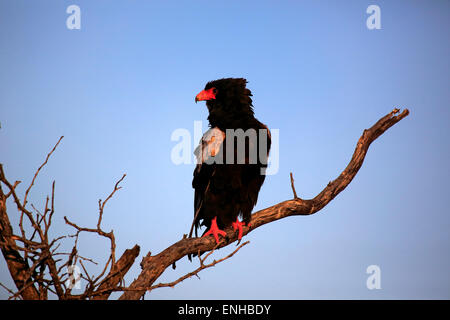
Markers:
232,157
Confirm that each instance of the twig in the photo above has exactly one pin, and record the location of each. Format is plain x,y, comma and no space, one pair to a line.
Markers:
6,288
14,187
200,268
38,170
52,210
293,187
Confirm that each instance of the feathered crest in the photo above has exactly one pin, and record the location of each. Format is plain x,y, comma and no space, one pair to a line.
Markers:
232,101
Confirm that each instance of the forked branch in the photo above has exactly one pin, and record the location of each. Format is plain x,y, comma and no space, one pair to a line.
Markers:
33,263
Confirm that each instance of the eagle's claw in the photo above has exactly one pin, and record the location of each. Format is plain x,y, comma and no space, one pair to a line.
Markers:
238,225
215,231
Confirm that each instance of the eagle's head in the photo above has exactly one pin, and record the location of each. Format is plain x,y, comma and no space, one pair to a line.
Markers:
228,100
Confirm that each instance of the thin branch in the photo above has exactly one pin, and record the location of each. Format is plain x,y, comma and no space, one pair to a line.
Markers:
52,210
200,268
41,253
6,288
13,187
172,284
91,282
293,187
69,254
38,170
102,205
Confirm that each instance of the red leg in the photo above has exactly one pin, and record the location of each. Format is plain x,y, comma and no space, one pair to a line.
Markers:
238,226
215,231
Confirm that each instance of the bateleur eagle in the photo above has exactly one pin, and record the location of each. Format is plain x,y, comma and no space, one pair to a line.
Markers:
226,179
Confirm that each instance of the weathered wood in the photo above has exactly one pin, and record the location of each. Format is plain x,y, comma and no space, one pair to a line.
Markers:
154,266
17,266
116,275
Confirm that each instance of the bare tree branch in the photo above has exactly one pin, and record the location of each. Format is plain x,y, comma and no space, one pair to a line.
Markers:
6,288
200,268
17,265
98,230
154,266
182,278
41,254
116,274
35,269
293,187
38,170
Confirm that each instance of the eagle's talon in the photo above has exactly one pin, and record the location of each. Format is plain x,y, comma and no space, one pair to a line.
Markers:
239,226
215,231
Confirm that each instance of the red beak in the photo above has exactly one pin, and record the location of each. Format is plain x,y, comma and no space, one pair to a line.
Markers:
206,95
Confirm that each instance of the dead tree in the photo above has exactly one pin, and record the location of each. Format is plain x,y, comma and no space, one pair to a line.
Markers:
37,267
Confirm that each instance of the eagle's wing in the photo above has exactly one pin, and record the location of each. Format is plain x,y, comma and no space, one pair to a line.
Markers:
226,190
208,150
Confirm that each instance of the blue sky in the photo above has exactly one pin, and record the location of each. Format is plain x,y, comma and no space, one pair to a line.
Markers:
118,87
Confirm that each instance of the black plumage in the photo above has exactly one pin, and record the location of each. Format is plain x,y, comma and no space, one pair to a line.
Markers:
224,191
